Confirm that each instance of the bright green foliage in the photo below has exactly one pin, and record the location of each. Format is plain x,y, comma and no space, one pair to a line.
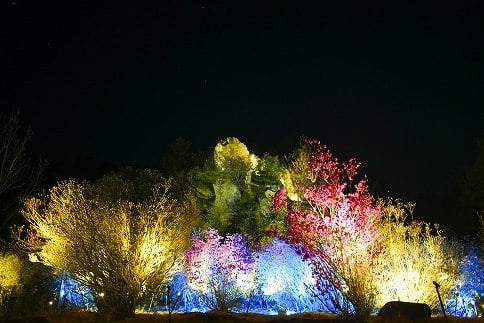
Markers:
235,190
233,159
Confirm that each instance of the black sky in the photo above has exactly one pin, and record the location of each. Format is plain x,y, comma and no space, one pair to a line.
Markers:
399,86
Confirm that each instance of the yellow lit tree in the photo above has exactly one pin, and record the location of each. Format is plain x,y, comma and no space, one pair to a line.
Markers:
414,255
124,251
10,276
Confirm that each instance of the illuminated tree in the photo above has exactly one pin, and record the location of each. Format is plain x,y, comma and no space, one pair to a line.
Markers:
124,251
414,255
232,157
222,270
231,175
333,224
10,278
235,190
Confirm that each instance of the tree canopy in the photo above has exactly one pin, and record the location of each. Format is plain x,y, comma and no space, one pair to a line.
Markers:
113,237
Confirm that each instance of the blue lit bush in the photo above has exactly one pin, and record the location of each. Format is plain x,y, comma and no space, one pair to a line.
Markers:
285,280
285,283
467,297
69,294
181,296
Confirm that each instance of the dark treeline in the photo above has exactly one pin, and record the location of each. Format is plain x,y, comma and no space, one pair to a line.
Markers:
455,207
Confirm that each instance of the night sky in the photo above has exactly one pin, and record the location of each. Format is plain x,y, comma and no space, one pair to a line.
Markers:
399,87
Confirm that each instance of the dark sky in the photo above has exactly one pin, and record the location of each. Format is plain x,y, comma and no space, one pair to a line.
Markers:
399,87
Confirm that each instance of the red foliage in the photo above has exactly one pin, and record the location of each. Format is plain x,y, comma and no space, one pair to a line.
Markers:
332,223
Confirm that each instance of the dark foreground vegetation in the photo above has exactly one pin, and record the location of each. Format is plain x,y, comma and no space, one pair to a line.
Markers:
216,317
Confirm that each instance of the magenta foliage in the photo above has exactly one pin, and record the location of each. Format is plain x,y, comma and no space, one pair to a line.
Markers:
214,263
332,223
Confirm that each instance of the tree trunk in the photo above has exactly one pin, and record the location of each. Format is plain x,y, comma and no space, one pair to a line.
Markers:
114,308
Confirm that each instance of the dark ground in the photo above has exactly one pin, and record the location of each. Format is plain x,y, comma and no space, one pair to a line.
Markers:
227,318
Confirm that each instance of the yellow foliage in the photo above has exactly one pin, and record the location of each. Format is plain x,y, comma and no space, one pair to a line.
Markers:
230,148
10,267
114,247
233,156
414,255
286,180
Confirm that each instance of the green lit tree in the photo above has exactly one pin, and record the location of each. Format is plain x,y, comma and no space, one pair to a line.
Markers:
235,189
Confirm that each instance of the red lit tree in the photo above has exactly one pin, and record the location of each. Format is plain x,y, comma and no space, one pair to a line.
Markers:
331,221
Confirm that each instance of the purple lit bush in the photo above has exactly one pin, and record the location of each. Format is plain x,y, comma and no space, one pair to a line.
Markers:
225,274
222,270
282,281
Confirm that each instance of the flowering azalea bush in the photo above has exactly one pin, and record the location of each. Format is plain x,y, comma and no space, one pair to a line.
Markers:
332,222
222,270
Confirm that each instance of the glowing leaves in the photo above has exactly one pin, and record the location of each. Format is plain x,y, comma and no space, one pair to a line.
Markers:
231,153
333,224
285,278
279,200
10,268
221,269
331,212
414,255
125,248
